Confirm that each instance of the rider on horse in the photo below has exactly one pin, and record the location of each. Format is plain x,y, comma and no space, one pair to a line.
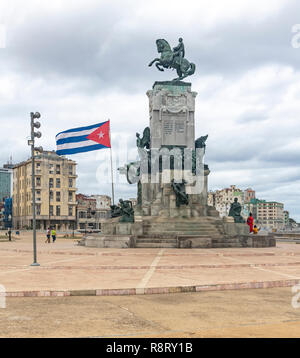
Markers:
178,52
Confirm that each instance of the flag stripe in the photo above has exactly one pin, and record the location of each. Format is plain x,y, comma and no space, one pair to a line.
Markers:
71,139
87,142
80,149
74,134
78,129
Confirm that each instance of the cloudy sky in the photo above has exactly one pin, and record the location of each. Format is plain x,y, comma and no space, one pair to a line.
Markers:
81,62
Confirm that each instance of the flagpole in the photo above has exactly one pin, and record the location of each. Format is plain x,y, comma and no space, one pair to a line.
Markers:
112,174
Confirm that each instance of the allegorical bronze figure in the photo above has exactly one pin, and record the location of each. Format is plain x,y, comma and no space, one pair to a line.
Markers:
235,211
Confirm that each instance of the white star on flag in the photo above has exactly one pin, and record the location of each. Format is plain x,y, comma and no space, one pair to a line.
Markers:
101,135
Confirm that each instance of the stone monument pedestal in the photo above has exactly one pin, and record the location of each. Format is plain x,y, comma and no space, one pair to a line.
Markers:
166,216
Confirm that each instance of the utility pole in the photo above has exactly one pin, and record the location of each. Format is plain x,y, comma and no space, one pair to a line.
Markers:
34,134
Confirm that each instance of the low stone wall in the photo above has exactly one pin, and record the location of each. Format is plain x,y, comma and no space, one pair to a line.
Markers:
234,229
262,241
194,243
110,241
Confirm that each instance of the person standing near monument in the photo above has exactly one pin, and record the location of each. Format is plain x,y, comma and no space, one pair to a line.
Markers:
250,222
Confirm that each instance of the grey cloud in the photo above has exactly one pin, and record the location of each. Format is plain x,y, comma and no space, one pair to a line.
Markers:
93,45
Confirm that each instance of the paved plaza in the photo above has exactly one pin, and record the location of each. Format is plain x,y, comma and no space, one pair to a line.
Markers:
233,313
67,269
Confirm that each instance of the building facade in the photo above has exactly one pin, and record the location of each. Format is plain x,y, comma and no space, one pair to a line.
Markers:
286,215
269,215
133,201
5,183
222,199
92,211
249,194
55,192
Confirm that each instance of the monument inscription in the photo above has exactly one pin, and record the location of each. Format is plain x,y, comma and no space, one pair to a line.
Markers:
174,130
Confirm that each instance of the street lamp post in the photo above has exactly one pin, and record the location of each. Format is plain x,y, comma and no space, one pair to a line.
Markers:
34,134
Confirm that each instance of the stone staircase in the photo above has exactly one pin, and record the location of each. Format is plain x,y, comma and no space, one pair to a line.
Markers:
158,234
156,242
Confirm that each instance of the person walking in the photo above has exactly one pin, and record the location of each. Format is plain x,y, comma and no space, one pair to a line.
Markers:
53,235
48,236
250,222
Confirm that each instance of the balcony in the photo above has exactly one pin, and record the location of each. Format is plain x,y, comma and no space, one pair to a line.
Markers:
72,189
73,176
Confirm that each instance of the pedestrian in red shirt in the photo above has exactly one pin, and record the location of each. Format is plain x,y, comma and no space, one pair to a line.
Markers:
250,222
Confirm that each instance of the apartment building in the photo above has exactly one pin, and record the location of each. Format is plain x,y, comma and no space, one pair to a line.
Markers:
92,211
249,194
268,214
5,183
222,199
55,192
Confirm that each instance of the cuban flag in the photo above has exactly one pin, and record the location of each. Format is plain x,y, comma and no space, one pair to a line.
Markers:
83,139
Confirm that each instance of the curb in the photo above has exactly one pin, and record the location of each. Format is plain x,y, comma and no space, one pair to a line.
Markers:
154,290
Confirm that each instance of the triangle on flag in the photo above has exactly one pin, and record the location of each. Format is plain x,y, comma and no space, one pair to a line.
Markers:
101,135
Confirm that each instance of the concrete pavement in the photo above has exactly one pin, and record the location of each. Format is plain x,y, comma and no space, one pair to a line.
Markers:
67,269
239,313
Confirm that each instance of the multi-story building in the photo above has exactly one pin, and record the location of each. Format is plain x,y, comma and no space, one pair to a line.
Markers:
251,207
268,214
2,222
222,199
55,186
133,201
249,194
286,215
102,201
211,198
92,211
5,183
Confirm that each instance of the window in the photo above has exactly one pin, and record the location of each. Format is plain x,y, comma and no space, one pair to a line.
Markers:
38,209
50,182
57,169
70,210
70,169
58,182
51,195
58,210
38,181
82,214
58,196
70,183
70,196
51,169
51,210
